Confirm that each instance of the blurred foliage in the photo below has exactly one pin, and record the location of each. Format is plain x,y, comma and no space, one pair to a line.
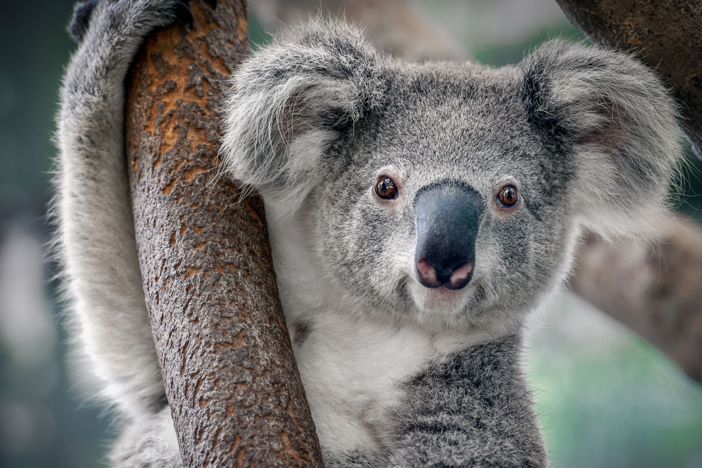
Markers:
607,399
600,405
629,408
34,47
257,35
498,55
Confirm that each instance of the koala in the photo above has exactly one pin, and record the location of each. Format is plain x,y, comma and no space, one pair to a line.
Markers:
418,213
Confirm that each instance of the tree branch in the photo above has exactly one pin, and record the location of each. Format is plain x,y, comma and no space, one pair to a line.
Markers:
654,288
225,354
666,35
394,26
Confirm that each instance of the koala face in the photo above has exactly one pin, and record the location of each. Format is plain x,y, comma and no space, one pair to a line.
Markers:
450,194
442,204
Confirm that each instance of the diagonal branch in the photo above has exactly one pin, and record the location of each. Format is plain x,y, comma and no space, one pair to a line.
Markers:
655,289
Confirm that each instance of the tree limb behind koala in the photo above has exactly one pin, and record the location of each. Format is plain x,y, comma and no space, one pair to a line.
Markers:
394,26
230,376
653,288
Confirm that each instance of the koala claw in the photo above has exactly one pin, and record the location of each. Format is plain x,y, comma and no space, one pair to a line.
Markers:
80,20
167,12
182,13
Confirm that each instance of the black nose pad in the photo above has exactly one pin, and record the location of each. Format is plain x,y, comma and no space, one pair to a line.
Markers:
448,219
439,274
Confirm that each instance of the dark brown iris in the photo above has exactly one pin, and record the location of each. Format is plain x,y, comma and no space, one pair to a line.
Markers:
385,188
508,196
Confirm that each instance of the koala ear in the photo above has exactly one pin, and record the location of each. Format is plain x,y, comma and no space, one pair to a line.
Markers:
292,99
617,122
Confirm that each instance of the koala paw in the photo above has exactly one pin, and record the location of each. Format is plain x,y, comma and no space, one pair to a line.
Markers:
128,16
81,19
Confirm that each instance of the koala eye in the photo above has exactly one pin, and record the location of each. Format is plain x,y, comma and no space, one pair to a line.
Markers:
508,196
385,188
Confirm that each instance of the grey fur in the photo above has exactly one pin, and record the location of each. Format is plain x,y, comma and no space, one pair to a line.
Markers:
395,376
148,442
95,236
472,409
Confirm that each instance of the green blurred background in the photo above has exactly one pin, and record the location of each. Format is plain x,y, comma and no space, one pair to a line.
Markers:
605,398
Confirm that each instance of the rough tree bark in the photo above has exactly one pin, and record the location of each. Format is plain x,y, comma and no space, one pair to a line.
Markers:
653,288
230,376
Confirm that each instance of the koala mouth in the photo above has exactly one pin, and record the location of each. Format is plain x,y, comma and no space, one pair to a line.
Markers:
441,299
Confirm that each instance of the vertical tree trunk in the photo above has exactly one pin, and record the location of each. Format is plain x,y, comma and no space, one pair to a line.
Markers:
230,375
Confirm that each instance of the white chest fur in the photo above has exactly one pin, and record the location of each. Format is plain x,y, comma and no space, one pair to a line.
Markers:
353,370
352,367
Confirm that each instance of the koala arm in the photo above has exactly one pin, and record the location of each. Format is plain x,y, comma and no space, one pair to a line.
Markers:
95,239
471,409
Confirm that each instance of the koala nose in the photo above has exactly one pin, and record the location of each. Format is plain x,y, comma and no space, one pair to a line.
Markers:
448,219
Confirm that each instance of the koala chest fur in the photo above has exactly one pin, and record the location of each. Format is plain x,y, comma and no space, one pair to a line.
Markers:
351,362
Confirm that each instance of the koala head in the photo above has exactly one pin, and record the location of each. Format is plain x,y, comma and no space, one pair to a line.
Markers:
446,193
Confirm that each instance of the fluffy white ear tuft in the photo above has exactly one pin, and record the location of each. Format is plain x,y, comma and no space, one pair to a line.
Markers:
292,99
614,117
